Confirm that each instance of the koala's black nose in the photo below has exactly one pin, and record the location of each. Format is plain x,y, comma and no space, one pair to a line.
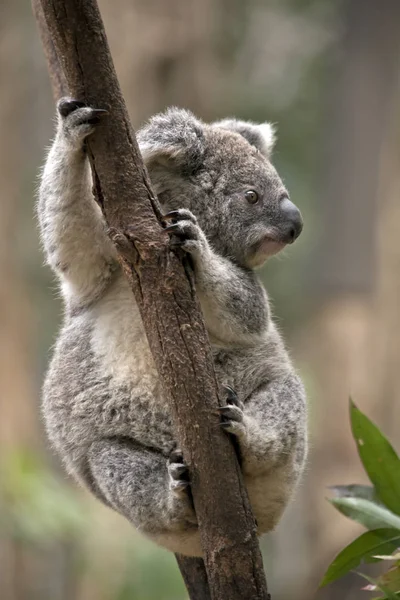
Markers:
292,221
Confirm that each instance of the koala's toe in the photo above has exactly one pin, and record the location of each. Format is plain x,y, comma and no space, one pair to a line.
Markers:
178,472
230,413
66,106
176,456
182,214
180,488
232,397
87,116
182,231
232,419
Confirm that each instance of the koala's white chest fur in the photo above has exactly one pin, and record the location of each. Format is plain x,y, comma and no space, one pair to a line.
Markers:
119,340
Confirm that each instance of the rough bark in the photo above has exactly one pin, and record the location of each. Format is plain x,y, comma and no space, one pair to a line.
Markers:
194,576
162,283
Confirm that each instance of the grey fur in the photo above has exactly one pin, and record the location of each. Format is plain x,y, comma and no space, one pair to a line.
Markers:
102,402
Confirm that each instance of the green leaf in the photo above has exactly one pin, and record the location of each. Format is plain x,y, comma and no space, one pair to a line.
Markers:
369,514
378,457
390,579
369,544
354,490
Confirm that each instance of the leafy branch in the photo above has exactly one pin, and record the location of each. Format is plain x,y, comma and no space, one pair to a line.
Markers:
376,507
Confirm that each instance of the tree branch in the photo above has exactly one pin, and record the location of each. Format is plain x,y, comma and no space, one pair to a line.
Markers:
162,283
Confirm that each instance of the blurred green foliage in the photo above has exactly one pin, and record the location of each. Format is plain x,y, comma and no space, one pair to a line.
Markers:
35,505
38,510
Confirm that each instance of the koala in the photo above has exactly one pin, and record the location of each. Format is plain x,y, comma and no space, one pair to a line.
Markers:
103,405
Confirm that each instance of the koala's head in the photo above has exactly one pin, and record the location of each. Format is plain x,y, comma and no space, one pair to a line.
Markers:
222,173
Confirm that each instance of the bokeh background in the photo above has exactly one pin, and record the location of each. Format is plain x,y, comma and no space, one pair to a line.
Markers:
327,73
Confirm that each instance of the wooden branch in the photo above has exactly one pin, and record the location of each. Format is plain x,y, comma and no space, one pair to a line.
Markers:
194,576
162,283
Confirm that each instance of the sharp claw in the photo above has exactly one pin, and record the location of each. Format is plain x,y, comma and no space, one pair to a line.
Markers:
172,227
101,112
223,411
97,115
230,393
172,214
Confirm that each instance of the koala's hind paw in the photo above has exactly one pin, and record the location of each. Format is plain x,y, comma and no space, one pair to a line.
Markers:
184,231
232,415
179,481
78,121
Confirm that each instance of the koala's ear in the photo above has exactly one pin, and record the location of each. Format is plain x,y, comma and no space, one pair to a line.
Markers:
173,139
262,136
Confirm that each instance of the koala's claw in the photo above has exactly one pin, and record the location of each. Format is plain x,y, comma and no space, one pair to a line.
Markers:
179,215
181,223
231,396
183,229
232,419
231,415
179,481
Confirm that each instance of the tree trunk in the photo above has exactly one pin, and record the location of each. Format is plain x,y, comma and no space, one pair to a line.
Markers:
162,283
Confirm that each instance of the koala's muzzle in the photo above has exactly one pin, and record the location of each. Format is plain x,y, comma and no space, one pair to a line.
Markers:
291,221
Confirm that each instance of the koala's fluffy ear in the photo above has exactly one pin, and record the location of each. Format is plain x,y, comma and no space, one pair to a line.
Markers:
261,136
173,139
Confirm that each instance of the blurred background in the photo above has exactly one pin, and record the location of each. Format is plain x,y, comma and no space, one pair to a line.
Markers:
327,73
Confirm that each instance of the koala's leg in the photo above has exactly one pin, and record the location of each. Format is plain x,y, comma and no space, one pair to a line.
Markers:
270,427
148,489
72,227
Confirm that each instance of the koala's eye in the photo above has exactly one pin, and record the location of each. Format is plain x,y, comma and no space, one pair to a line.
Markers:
251,196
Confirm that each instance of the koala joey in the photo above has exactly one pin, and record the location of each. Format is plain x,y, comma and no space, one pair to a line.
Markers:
103,405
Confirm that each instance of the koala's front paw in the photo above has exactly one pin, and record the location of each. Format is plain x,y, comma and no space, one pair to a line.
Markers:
185,231
77,121
232,415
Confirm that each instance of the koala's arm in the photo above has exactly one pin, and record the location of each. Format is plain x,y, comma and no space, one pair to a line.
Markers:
233,301
72,227
271,426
